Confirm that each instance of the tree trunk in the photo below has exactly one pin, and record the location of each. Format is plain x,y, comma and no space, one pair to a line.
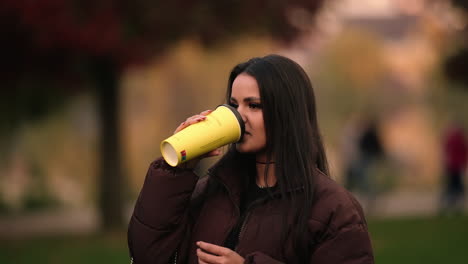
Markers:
110,181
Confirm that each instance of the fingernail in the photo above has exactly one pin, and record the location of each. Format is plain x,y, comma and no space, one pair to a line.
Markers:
198,243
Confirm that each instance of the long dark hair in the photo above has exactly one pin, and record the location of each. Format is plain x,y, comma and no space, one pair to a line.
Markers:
292,132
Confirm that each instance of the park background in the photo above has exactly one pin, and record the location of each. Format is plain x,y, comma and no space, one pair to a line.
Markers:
90,88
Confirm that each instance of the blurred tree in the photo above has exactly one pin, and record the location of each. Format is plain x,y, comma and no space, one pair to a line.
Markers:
456,65
352,79
52,49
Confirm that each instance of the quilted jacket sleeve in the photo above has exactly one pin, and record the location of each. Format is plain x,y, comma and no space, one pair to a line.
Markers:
340,230
351,245
160,220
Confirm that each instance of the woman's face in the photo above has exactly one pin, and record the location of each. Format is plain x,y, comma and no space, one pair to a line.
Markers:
245,97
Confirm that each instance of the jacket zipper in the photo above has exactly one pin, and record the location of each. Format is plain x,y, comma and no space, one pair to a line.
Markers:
230,198
241,232
246,218
248,210
175,258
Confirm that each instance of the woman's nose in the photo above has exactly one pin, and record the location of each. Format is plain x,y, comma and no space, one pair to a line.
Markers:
242,113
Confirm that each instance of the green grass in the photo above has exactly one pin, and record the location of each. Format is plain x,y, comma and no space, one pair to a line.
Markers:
69,250
420,240
411,240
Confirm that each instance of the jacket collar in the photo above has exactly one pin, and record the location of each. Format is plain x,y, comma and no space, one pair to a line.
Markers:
231,178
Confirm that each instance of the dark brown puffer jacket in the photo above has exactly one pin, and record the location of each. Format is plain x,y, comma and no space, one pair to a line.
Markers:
163,229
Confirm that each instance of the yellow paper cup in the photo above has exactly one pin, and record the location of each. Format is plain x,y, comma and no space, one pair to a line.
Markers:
221,127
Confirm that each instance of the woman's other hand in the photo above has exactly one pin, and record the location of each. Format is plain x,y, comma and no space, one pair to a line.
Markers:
213,254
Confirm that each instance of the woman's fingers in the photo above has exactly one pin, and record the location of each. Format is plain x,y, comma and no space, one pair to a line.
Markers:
213,153
205,257
206,112
213,249
190,121
211,253
202,262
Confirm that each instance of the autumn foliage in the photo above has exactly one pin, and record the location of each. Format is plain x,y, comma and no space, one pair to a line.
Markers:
49,47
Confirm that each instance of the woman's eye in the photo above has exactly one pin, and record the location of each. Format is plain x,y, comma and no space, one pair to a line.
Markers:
233,105
255,105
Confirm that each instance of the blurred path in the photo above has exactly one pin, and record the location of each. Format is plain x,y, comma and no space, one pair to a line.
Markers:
84,221
51,223
77,221
403,204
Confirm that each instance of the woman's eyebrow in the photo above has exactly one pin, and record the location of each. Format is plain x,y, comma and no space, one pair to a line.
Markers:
247,99
251,99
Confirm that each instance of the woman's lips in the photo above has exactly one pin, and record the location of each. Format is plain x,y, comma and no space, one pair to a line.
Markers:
243,136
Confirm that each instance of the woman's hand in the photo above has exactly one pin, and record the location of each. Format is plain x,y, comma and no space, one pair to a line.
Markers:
212,254
190,121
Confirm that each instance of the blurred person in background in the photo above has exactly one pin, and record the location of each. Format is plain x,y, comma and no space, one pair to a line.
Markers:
269,199
455,158
362,150
371,152
350,153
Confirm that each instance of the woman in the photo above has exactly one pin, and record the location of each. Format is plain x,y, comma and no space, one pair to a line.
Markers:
267,200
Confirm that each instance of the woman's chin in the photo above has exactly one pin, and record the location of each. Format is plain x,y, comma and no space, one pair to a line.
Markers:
242,148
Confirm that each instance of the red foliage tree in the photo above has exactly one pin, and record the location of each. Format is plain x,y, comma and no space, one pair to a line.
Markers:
50,46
